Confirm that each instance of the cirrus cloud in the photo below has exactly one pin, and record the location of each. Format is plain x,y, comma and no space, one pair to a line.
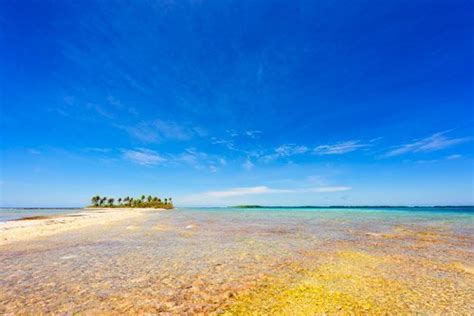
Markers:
244,191
258,190
435,142
240,194
287,150
144,157
159,130
339,148
330,189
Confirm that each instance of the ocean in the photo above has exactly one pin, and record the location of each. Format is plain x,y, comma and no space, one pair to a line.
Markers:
8,214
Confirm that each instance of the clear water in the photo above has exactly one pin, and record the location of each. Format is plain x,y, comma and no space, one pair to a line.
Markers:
250,261
8,214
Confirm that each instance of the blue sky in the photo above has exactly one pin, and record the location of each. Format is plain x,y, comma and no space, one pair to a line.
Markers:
229,102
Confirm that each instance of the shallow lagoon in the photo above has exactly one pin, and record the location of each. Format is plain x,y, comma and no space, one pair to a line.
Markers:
9,214
250,261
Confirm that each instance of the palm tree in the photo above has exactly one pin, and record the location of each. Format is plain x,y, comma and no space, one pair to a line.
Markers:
143,198
120,200
102,201
95,200
149,198
111,201
166,201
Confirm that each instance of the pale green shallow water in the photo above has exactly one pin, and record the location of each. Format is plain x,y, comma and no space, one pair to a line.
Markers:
8,214
202,260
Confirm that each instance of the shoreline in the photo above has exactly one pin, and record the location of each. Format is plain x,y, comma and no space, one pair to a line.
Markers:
33,227
93,208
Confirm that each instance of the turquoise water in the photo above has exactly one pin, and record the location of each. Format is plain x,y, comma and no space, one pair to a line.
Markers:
401,210
377,219
8,214
199,260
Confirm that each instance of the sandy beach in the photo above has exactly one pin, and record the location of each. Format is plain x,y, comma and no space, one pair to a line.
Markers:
44,226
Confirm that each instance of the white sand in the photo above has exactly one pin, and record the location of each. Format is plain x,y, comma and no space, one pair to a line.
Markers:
22,230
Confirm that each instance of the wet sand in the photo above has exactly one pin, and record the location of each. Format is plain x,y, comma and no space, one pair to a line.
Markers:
34,227
245,262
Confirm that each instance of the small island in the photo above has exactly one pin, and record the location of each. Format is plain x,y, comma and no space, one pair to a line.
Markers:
130,202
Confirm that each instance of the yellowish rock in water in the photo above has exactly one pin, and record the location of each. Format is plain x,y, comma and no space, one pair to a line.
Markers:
349,285
186,234
462,267
132,227
161,228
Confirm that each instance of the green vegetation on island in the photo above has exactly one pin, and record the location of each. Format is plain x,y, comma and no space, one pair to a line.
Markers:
141,202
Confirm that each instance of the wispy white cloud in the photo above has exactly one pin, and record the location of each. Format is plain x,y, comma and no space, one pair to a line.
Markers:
171,130
158,130
266,190
116,103
424,161
33,151
80,107
339,148
317,180
199,160
247,133
434,142
244,191
144,157
192,157
447,158
98,149
330,189
232,133
453,157
142,132
248,165
289,150
100,109
222,161
134,83
225,142
253,134
285,151
189,157
225,196
233,137
199,131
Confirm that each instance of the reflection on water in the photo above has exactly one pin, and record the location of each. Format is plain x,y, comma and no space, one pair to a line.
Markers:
249,262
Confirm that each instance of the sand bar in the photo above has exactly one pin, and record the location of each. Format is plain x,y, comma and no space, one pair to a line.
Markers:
42,226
